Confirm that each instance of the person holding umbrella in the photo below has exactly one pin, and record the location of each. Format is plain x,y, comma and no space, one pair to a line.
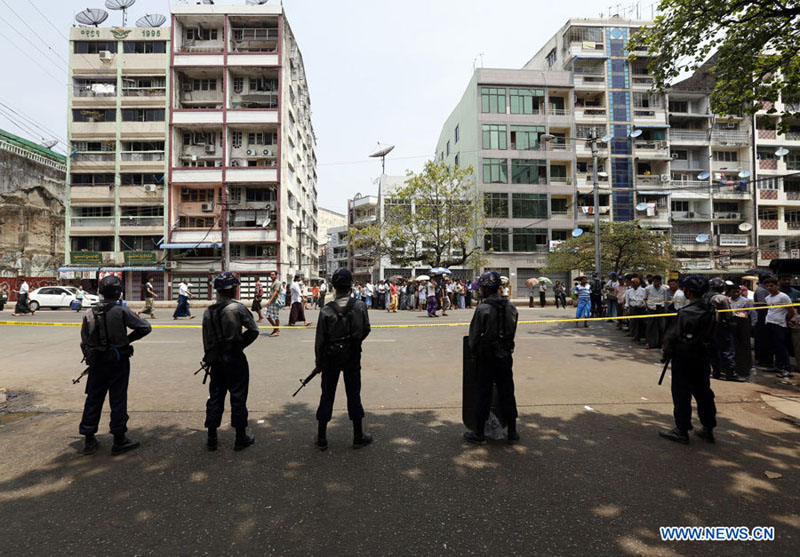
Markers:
531,283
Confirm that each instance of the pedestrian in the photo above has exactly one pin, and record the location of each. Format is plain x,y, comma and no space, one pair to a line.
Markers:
412,295
531,295
687,344
785,286
542,293
392,297
315,296
619,292
224,343
491,342
149,298
184,293
441,296
106,346
741,326
275,301
259,295
449,291
560,293
583,292
611,295
381,294
296,297
596,295
402,292
778,327
634,301
343,326
468,295
655,296
23,304
763,350
370,293
422,297
79,295
723,357
323,290
461,293
431,293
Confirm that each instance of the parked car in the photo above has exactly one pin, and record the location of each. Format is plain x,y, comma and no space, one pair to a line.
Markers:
55,297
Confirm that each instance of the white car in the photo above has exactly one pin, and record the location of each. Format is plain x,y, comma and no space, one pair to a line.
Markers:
55,297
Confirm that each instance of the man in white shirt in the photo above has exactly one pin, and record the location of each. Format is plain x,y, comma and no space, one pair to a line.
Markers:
634,300
323,289
22,306
183,301
297,312
381,295
778,327
655,296
370,293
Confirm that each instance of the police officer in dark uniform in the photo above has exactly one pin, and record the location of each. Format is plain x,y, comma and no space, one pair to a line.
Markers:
723,357
224,343
688,342
106,346
491,341
343,326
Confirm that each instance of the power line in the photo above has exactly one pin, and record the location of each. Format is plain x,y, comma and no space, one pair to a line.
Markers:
25,23
30,42
48,20
43,128
45,70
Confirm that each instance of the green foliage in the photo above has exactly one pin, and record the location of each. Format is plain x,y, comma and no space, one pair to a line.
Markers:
756,42
447,217
624,247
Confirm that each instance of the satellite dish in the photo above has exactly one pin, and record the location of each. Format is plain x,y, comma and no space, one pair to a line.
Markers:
577,232
383,152
744,174
701,238
92,16
606,138
636,133
151,20
50,143
704,176
641,207
781,152
121,5
745,227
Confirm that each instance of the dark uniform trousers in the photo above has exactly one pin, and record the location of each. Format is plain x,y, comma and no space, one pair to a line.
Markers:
230,373
112,378
690,378
638,326
655,327
723,360
350,368
496,371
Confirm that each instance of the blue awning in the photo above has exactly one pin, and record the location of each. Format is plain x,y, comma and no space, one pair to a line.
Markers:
84,269
133,268
643,126
190,246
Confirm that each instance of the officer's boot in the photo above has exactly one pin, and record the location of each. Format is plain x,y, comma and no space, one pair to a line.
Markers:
513,437
322,436
360,439
90,444
476,437
706,434
211,443
675,434
243,439
122,444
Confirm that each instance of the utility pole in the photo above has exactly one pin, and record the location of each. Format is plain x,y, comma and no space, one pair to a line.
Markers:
593,140
226,241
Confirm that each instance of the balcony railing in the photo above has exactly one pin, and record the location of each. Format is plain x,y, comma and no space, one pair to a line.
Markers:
792,136
767,134
91,221
737,137
144,91
552,111
590,80
687,240
690,215
95,90
727,216
255,100
688,135
768,164
140,221
690,184
642,81
245,39
143,156
93,157
793,224
651,145
590,111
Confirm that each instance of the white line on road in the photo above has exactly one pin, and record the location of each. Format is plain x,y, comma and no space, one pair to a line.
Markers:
369,340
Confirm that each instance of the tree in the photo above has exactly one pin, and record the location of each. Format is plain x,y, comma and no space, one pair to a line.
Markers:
432,220
756,45
624,247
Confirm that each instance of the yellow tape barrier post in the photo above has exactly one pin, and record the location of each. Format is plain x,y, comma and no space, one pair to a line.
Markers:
417,325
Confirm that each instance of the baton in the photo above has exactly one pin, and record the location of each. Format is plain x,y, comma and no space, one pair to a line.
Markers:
664,371
306,381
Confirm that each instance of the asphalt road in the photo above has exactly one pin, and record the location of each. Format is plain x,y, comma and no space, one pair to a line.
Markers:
590,475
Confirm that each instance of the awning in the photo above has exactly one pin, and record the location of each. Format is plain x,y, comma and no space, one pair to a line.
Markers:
133,268
654,192
644,126
83,269
190,246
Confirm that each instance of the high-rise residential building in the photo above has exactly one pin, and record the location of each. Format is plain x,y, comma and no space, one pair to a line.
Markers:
327,219
242,170
117,129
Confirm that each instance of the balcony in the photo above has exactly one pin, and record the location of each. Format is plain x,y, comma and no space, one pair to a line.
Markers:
91,222
652,149
653,180
689,184
93,157
688,240
727,216
590,112
586,213
142,156
690,216
724,137
688,136
247,39
642,81
590,81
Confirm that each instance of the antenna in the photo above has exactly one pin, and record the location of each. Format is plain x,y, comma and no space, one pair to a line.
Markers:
121,5
50,143
92,16
151,20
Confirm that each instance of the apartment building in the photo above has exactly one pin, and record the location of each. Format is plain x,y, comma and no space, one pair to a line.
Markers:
534,191
116,196
242,171
327,219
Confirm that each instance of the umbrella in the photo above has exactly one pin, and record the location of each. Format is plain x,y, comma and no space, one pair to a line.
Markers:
504,279
441,271
531,282
423,277
545,280
750,277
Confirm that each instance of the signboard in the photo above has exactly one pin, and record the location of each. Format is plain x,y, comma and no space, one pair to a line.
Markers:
85,257
794,253
102,274
697,265
139,257
734,240
724,261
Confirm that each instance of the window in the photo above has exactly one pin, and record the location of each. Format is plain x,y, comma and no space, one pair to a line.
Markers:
238,84
495,239
447,149
494,136
93,211
94,47
144,211
582,131
558,235
260,194
189,195
496,205
726,156
646,100
530,239
197,34
529,206
551,58
457,160
236,140
525,101
527,171
495,171
144,47
199,138
619,77
524,138
456,135
142,114
767,214
680,155
196,222
493,100
249,218
204,84
235,195
680,206
130,179
679,106
262,138
253,250
559,206
92,180
619,106
94,115
92,243
558,173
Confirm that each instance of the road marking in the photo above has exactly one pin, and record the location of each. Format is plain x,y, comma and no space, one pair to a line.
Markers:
368,340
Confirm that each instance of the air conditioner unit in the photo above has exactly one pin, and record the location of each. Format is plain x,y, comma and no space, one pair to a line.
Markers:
665,177
150,188
210,148
691,214
169,265
207,207
250,153
105,55
267,152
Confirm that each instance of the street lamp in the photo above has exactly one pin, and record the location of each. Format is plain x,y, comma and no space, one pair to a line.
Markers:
592,142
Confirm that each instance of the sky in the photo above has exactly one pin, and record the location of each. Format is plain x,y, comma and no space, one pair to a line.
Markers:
378,71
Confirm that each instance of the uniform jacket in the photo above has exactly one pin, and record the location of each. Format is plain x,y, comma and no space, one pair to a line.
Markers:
480,327
692,329
232,317
359,326
118,320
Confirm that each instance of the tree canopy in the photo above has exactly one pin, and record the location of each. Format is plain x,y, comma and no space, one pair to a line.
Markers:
756,45
624,247
432,220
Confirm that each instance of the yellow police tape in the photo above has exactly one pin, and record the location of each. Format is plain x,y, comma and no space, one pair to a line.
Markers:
419,325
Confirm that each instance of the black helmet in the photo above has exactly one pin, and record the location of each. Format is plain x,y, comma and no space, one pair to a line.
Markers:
110,287
716,284
226,281
698,284
342,278
492,278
